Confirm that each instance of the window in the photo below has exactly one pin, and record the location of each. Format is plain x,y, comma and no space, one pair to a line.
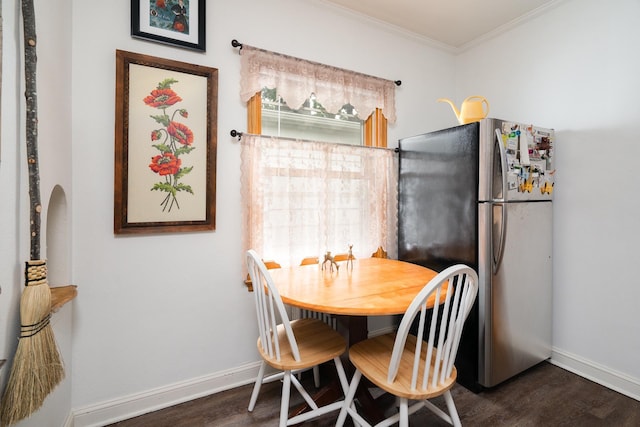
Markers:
303,198
266,116
311,121
303,193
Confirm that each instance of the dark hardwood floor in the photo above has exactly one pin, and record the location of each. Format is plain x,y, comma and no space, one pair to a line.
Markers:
545,395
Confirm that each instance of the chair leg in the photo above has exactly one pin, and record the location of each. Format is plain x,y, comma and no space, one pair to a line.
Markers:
256,387
316,376
284,403
303,392
404,412
342,375
453,413
348,399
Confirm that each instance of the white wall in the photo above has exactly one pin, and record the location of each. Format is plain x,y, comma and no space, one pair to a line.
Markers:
154,311
576,69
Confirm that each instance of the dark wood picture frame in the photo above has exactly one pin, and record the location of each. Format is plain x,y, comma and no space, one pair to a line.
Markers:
165,145
167,21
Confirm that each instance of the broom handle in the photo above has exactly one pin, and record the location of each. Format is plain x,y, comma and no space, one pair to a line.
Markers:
29,24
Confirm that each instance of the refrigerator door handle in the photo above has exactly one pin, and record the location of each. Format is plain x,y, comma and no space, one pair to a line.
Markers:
503,165
497,256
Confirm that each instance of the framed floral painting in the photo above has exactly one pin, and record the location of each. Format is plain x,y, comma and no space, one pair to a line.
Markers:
165,145
175,22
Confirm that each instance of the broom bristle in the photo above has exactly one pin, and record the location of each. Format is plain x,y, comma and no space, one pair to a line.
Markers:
37,367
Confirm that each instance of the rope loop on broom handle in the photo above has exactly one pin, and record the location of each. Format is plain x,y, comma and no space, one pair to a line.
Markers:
35,272
27,331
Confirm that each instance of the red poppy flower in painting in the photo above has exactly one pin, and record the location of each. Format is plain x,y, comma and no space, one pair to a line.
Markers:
160,4
181,133
162,98
165,164
172,140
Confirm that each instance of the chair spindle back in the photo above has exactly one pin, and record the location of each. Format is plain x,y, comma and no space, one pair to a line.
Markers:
270,309
458,286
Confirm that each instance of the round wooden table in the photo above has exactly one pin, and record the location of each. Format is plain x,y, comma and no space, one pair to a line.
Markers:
371,287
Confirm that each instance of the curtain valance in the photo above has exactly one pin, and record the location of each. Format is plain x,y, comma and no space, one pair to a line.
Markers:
296,79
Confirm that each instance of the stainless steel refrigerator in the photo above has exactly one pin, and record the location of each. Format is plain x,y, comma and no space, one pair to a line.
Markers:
481,194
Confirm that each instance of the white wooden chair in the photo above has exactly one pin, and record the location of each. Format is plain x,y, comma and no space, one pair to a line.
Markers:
290,346
411,368
342,257
309,260
269,265
380,253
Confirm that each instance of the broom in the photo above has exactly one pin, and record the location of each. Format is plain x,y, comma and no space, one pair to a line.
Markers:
37,367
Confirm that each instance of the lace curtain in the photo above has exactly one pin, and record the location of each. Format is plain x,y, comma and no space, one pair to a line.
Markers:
303,198
296,79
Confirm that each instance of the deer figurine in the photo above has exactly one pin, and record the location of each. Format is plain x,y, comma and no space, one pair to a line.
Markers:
328,258
350,257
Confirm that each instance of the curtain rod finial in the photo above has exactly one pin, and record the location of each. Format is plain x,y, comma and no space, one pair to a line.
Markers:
398,82
236,43
234,133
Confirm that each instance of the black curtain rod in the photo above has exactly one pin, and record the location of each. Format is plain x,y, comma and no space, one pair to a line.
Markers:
236,134
236,43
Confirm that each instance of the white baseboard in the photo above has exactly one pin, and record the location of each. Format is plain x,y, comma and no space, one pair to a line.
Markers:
597,373
68,422
126,407
138,404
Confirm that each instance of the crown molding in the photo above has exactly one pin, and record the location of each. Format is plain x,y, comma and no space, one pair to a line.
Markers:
435,43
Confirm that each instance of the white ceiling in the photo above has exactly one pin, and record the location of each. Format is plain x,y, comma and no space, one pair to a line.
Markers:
453,23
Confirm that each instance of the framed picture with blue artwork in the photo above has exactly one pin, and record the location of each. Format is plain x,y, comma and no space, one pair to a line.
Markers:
174,22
